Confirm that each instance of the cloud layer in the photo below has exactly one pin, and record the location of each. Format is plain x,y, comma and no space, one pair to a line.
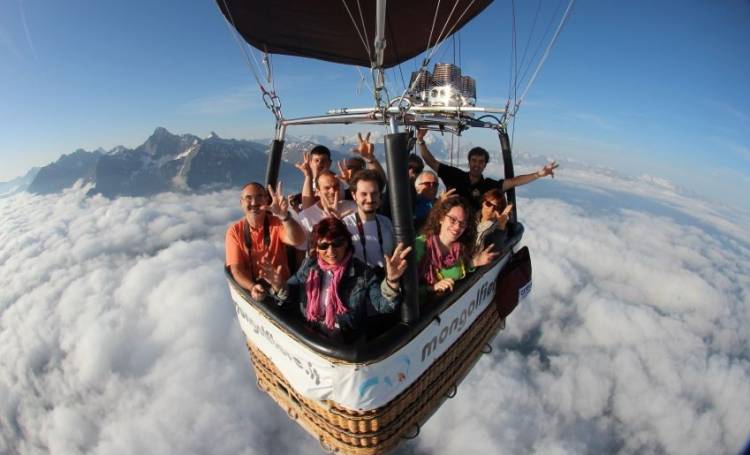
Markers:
117,335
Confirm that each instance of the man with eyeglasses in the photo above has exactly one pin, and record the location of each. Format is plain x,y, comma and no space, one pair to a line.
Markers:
258,239
426,186
472,184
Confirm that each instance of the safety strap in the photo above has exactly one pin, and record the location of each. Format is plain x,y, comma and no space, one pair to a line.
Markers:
361,230
249,240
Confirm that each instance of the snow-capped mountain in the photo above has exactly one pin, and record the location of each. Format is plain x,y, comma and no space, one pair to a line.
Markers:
18,184
164,162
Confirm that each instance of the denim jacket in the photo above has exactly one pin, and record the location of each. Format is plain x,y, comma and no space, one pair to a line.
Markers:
359,287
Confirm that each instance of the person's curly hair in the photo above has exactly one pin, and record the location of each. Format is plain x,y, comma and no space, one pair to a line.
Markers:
437,214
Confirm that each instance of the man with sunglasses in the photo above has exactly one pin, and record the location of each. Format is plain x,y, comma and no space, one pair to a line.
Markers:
259,237
472,184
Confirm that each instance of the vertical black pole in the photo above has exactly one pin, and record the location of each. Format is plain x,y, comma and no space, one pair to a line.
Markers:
397,156
509,172
274,161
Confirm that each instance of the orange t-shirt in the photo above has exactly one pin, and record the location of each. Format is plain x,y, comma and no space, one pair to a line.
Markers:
237,254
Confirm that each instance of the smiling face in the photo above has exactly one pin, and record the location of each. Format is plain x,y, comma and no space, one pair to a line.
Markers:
319,163
427,186
328,187
477,163
367,196
252,199
453,224
332,251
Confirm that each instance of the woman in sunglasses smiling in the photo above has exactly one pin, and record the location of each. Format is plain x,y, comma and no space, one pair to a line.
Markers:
445,249
333,287
493,217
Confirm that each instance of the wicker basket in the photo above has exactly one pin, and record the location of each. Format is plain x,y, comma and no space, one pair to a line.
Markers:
377,431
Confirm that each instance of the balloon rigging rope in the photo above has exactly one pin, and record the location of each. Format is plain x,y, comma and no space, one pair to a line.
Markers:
356,27
235,34
531,33
547,31
544,57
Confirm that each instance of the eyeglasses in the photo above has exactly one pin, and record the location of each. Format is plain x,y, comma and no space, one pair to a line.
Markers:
428,183
497,208
254,197
456,221
322,246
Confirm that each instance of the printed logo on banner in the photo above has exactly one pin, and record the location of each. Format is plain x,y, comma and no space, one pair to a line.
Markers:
390,379
454,328
524,291
309,370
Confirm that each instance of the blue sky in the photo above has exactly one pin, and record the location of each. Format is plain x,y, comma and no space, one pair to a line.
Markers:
658,88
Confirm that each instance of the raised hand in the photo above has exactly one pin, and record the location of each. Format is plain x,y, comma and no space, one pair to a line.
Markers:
548,169
395,264
443,285
505,215
271,274
365,148
484,257
304,165
445,195
421,133
279,205
345,173
331,210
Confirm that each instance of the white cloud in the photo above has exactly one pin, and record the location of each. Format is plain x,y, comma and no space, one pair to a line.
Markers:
117,335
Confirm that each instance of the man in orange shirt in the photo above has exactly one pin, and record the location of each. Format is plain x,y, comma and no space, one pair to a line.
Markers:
260,236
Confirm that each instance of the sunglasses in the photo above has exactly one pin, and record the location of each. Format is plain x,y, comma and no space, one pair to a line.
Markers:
322,246
494,206
428,183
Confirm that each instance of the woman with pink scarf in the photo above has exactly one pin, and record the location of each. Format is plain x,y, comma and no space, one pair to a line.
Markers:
333,287
445,249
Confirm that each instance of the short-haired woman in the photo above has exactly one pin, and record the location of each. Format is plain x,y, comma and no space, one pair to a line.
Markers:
492,219
333,287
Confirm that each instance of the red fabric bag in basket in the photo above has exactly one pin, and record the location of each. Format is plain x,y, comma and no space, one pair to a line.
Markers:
513,282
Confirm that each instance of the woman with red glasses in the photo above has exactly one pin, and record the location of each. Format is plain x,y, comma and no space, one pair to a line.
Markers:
493,218
445,249
333,287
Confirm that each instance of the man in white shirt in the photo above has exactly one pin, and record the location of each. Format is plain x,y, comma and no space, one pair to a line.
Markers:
372,234
329,204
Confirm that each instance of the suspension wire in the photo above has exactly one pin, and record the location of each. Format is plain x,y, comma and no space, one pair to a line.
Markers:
363,80
515,69
541,42
438,42
544,57
531,33
395,48
432,29
356,27
364,29
511,75
271,100
454,48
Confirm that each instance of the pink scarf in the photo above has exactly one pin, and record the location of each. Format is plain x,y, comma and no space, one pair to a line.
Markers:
333,304
433,260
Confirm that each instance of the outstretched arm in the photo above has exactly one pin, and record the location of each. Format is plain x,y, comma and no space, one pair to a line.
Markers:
549,169
308,198
366,150
425,152
293,233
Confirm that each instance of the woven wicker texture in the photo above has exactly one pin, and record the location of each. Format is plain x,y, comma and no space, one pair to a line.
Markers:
377,431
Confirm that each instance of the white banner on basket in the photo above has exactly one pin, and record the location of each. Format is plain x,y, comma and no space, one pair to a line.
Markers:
364,386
